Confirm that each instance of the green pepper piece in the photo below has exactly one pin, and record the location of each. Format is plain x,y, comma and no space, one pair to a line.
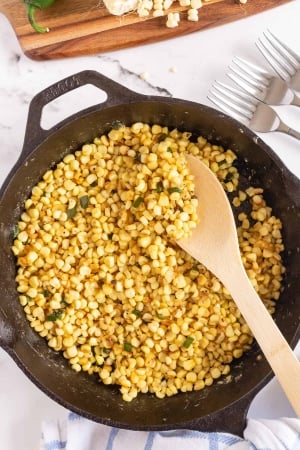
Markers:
189,340
159,316
162,137
137,202
84,201
54,316
31,7
116,125
72,212
138,157
159,187
174,189
127,347
15,231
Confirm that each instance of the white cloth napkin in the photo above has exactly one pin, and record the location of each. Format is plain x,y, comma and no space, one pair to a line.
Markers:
78,433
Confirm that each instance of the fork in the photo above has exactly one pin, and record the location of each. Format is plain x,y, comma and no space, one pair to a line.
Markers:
247,109
282,59
265,87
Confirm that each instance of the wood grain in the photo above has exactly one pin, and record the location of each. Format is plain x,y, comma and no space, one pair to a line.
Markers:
213,242
80,27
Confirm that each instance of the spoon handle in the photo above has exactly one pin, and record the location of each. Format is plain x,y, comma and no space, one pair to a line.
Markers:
278,353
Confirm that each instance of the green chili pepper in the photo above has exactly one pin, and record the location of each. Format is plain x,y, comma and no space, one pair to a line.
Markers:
72,212
137,202
127,347
162,137
84,201
159,316
229,177
54,316
159,187
116,125
31,7
174,189
138,157
63,301
220,163
15,231
189,340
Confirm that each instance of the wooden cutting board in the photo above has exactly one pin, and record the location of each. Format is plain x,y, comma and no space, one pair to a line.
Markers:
81,27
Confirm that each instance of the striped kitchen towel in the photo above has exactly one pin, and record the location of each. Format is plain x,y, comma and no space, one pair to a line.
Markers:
78,433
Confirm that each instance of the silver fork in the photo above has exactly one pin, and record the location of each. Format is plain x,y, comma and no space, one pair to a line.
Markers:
245,108
282,59
265,87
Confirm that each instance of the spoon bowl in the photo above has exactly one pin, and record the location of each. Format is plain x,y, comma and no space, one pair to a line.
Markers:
214,243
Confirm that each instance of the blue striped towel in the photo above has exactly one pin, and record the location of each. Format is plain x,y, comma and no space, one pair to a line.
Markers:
78,433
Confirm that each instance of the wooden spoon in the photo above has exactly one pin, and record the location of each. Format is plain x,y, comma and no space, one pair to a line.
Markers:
214,243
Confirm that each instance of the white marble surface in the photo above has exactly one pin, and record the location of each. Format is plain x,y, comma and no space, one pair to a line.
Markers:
184,67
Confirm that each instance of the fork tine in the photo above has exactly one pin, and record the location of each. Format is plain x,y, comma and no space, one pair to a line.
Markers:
269,56
257,72
247,100
279,56
246,76
234,102
224,107
244,83
285,51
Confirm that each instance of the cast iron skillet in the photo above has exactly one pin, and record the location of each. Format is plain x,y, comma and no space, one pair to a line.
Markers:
222,407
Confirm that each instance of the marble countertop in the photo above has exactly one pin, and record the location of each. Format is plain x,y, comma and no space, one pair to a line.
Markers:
183,67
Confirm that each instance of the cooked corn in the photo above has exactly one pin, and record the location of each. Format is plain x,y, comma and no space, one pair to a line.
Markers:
104,281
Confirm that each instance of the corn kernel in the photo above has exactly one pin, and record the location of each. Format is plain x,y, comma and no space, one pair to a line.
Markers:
125,300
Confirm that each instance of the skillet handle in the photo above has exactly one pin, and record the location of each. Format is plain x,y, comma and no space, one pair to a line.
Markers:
35,134
231,419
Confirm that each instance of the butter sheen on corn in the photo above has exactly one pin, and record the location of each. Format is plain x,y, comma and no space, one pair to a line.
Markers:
100,275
